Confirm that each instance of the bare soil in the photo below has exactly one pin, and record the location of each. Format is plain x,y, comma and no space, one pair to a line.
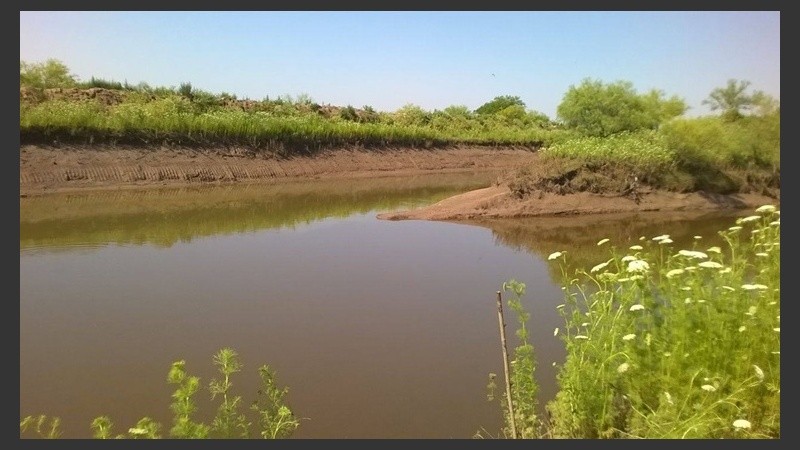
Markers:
498,202
70,168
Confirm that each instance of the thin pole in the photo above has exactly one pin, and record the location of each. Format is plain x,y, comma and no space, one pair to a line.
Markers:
505,362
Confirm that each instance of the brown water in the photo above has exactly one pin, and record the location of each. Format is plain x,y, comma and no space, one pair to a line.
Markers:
380,329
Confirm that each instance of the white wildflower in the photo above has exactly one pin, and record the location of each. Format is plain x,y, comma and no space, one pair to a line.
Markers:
708,387
137,431
628,258
668,397
751,311
765,208
628,337
603,241
753,287
623,367
742,328
741,423
555,332
554,255
693,254
775,223
698,237
762,254
748,219
759,372
635,247
725,270
777,329
636,307
662,237
736,228
665,241
674,272
638,266
714,249
710,265
580,336
687,300
600,266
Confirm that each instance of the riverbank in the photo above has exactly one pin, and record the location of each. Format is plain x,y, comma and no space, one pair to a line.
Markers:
59,169
499,202
53,169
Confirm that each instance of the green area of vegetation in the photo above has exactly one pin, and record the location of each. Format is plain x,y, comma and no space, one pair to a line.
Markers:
662,343
606,135
273,419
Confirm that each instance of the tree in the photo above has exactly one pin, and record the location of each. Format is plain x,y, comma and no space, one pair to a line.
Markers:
595,108
731,99
49,74
764,104
498,104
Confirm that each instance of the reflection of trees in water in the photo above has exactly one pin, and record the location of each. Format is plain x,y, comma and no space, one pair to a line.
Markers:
578,235
136,218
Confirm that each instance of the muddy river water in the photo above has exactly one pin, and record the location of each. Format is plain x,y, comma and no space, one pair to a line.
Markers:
380,329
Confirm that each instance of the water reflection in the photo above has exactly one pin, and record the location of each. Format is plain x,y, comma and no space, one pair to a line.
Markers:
579,235
164,217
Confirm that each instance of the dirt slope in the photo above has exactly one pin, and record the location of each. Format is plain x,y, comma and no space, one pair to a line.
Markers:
497,202
58,169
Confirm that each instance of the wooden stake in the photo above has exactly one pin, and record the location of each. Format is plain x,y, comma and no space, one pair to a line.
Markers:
505,363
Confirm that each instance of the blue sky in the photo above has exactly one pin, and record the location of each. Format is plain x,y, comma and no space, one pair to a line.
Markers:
430,59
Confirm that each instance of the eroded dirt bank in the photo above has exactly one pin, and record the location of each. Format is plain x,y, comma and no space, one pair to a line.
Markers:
498,202
65,168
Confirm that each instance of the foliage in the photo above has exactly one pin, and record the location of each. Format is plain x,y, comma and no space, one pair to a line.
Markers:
275,419
49,74
524,388
595,108
228,423
500,103
734,102
38,424
665,344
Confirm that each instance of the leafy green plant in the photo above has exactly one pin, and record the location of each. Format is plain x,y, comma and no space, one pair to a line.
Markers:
665,344
228,423
276,420
39,426
274,417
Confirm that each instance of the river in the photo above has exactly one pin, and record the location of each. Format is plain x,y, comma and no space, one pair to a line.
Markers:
380,329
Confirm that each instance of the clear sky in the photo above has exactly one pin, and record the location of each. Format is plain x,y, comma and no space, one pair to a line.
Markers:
430,59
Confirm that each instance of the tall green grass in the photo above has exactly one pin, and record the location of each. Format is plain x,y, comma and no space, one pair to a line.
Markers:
673,343
179,120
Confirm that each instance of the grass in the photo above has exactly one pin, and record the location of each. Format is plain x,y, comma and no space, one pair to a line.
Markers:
672,343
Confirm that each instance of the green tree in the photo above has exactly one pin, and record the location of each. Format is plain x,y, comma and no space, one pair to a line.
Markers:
732,99
411,114
765,105
49,74
498,104
595,108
